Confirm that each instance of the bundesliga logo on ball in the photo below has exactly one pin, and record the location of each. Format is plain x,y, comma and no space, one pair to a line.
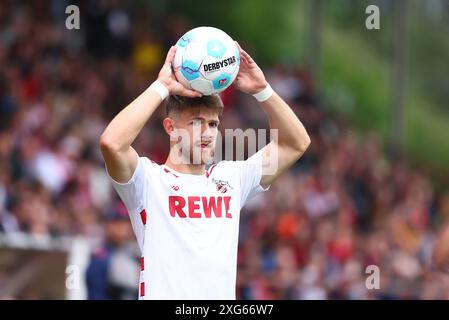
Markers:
207,60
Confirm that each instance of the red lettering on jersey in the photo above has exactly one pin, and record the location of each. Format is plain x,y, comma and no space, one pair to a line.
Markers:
214,205
143,216
142,289
175,205
194,206
227,201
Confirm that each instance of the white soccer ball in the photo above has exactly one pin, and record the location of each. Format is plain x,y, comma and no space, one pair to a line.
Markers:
207,60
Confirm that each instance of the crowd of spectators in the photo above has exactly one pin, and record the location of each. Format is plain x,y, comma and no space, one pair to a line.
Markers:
343,207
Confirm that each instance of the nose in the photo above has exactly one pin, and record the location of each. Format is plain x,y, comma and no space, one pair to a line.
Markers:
207,132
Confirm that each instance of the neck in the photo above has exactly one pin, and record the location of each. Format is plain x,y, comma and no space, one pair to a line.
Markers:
198,169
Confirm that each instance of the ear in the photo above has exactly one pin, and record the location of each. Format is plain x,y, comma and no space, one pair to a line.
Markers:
168,124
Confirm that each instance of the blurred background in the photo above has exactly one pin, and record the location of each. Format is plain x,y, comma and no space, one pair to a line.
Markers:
371,190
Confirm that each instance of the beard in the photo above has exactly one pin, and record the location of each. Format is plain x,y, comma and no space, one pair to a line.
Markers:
201,156
192,155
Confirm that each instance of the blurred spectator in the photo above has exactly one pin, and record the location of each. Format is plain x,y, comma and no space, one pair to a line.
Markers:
113,270
345,205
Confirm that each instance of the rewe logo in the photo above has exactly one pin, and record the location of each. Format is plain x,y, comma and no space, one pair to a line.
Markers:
199,207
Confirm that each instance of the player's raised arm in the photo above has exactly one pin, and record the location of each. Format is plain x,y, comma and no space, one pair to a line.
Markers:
116,140
293,139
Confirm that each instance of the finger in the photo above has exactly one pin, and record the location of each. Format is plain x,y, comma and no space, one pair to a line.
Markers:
243,58
247,56
244,62
238,46
244,65
170,55
191,93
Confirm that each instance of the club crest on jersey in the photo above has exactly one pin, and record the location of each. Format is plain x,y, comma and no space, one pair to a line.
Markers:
221,186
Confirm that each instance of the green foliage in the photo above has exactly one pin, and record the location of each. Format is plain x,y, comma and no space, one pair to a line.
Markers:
349,69
271,33
356,64
355,74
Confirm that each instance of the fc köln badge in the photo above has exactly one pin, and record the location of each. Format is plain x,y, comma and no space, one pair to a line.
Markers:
222,186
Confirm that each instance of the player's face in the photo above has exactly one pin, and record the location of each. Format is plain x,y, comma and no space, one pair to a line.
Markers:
201,126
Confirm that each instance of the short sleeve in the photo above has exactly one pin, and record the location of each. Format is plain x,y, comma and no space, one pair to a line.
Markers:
250,174
132,193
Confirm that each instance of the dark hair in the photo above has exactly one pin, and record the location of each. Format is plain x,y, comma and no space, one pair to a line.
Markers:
175,103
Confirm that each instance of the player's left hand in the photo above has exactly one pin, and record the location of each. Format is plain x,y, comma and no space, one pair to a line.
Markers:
250,78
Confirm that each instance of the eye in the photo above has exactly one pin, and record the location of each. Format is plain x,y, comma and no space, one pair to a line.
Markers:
196,122
213,124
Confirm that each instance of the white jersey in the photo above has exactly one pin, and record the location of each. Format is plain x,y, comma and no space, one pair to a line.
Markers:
187,226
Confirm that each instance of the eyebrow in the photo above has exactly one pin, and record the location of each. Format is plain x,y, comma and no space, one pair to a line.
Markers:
203,119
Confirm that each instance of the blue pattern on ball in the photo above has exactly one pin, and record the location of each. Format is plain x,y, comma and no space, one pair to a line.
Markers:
190,70
185,40
216,49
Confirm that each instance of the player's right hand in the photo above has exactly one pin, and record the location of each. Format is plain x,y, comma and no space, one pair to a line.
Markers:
167,77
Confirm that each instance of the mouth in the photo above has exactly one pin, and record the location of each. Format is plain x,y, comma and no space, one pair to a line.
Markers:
204,145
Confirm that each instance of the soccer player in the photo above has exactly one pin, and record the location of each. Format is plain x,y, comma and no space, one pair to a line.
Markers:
186,218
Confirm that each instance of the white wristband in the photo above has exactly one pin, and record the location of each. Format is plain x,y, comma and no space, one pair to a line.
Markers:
160,88
265,94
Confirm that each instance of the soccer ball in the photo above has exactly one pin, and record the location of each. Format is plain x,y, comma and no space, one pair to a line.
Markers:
207,60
